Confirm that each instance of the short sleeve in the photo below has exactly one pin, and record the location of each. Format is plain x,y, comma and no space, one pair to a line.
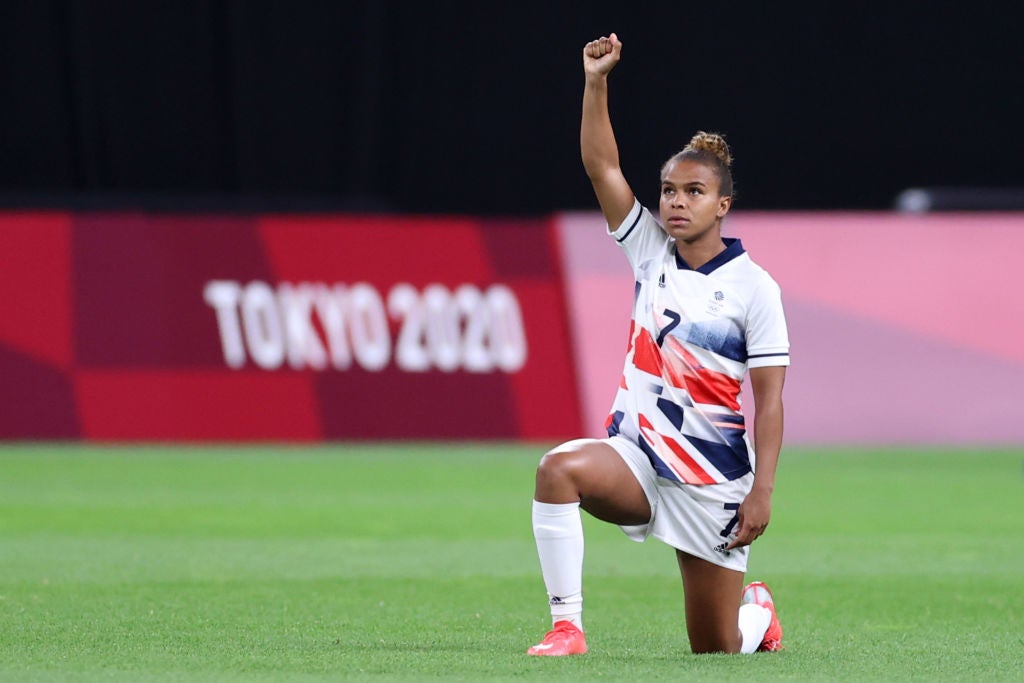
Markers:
640,236
766,333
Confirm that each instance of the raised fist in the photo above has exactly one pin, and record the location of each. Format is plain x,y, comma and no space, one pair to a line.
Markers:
600,56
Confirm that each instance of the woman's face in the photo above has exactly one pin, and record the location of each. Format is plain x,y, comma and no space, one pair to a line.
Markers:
690,205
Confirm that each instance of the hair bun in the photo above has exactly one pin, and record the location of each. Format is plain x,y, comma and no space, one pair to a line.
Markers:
712,143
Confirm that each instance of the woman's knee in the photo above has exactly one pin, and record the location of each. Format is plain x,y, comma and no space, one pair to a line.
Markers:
562,462
562,470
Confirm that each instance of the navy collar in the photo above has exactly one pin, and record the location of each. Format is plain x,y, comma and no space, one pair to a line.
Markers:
733,248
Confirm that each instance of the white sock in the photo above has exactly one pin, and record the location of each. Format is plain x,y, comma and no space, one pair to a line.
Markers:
558,530
754,622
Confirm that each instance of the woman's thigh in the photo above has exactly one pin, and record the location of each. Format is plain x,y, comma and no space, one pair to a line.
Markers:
592,472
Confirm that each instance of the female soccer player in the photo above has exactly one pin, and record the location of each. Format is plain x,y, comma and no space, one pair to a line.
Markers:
677,463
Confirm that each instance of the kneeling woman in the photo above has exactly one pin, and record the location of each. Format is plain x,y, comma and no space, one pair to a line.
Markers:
677,463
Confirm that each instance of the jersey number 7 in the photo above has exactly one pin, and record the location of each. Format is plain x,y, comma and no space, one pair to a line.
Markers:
671,326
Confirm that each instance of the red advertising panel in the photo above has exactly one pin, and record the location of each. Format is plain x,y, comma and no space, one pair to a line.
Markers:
222,327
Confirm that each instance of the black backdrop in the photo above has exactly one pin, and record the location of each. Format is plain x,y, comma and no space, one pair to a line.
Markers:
473,106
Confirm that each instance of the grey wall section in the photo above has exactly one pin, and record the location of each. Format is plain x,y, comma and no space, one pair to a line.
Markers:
473,107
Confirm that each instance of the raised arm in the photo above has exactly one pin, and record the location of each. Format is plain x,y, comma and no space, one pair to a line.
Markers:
597,140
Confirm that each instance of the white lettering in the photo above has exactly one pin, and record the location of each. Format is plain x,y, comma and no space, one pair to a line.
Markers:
316,326
476,357
368,325
262,324
443,328
508,339
302,341
223,296
404,305
330,308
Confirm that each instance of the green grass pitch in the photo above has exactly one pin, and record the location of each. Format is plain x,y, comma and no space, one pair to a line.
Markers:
416,562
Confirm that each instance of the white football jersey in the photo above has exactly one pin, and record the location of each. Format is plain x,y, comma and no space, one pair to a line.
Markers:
694,334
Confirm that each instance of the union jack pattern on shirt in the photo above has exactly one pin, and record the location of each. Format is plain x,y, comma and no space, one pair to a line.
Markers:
693,336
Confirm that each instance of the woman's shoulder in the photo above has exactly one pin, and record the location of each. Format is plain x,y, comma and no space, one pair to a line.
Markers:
750,277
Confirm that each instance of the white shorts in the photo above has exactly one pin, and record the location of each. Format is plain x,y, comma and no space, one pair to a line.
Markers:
699,520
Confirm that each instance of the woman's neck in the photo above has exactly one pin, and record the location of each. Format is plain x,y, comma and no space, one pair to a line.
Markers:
702,250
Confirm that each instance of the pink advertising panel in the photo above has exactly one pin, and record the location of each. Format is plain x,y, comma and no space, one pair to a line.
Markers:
904,329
